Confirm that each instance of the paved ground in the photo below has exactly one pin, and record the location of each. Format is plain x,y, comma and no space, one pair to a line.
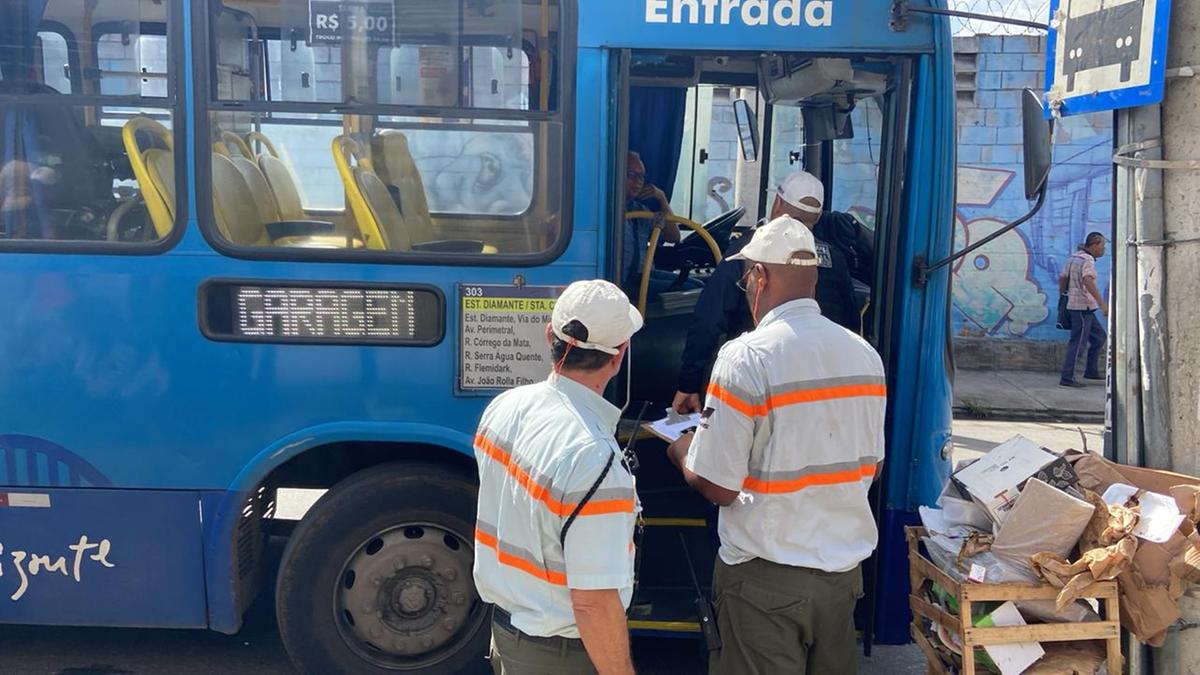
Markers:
974,437
258,651
1022,394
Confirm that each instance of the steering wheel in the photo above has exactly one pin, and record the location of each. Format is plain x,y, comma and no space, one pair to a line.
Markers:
648,263
693,252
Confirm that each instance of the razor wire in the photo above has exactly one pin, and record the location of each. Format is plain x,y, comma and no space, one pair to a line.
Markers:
1028,10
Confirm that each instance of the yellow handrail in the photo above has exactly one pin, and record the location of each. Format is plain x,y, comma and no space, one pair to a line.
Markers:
648,263
161,208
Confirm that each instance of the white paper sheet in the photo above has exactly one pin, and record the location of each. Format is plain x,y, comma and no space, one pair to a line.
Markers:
1160,513
671,427
1016,658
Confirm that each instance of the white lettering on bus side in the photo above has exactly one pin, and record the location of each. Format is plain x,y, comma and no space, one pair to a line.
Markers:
815,13
38,563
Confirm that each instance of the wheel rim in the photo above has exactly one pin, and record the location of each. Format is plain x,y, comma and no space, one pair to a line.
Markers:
405,598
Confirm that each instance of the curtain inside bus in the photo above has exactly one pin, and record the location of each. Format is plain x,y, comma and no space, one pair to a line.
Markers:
656,131
18,31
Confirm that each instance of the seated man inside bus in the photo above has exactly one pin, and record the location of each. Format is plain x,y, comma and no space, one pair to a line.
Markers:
643,196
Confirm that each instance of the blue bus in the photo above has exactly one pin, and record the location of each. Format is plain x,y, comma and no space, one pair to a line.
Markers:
253,248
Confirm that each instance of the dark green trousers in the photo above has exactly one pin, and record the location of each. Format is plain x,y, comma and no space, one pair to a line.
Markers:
514,653
780,619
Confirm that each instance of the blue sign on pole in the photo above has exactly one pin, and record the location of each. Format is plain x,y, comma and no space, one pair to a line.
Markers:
1105,54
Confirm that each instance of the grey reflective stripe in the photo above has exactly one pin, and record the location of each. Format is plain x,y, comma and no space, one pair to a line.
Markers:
603,494
524,554
759,474
825,383
562,535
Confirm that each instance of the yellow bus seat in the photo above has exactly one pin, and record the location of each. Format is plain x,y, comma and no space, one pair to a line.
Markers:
159,203
395,166
234,142
379,220
160,165
283,187
264,197
261,138
236,210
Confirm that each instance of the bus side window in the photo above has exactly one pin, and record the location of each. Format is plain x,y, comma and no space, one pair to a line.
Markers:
56,61
75,169
429,137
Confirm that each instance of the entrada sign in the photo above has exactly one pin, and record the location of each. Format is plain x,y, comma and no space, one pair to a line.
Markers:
814,13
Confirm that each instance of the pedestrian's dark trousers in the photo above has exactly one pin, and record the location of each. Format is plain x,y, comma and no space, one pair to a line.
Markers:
1084,324
781,619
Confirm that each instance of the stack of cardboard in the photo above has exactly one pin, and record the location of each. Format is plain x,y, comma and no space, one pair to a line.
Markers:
1024,513
1024,498
1160,569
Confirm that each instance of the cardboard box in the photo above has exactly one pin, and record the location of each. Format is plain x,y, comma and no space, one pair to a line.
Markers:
1044,518
995,480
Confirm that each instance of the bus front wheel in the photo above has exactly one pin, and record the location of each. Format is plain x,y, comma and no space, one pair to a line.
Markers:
377,576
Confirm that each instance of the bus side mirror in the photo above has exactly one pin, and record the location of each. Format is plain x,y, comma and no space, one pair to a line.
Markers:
1036,145
747,125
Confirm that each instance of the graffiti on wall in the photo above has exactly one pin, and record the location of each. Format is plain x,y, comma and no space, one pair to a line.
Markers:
1009,287
994,287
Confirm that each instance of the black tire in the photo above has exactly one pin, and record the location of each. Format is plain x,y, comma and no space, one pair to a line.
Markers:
416,609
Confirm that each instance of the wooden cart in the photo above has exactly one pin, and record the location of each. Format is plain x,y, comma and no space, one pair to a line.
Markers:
922,573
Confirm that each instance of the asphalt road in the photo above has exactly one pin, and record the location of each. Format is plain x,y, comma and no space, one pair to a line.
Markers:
258,651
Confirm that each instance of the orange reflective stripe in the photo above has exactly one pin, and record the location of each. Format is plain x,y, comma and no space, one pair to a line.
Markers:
527,566
724,395
826,394
541,493
794,397
798,484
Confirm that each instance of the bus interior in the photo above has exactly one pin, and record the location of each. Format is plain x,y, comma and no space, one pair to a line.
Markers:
443,133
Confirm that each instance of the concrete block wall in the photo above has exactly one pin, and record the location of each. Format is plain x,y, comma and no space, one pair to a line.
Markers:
1006,293
1008,290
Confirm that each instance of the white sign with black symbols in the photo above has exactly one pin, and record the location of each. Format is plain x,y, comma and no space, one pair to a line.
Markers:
503,343
332,22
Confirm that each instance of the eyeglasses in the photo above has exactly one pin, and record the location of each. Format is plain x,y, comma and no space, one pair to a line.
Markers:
634,175
741,283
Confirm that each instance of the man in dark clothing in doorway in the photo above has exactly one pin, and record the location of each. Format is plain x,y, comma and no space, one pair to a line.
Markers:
845,252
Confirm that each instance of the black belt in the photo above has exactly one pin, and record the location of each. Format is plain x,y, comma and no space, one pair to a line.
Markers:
503,620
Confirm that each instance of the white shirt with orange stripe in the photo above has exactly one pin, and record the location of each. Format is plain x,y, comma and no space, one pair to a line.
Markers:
793,420
540,448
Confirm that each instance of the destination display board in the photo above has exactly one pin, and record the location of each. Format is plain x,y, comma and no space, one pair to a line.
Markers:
503,335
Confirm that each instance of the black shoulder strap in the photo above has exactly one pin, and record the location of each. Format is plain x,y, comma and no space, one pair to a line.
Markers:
562,536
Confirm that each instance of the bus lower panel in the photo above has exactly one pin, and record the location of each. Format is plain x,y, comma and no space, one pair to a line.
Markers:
101,557
892,615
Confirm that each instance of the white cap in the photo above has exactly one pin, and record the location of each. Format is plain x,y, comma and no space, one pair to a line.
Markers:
801,185
778,242
604,311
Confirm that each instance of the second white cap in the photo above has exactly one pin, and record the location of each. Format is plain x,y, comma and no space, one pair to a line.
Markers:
780,242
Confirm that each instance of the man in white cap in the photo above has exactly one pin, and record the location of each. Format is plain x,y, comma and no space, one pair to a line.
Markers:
557,505
844,248
721,311
790,440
